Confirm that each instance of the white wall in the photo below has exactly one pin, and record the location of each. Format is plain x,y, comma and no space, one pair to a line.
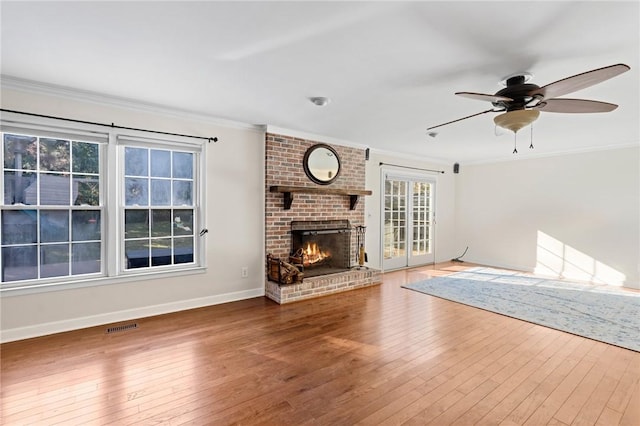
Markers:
445,232
235,219
574,215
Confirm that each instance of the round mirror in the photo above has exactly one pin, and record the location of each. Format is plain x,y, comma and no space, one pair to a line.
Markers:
322,164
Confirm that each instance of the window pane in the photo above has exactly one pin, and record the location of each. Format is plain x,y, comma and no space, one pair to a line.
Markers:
136,223
137,253
136,162
136,192
182,193
161,223
54,190
183,222
183,250
183,165
86,190
19,263
151,228
54,260
160,163
15,186
54,226
54,155
160,192
161,252
43,172
19,227
85,225
20,152
86,258
86,157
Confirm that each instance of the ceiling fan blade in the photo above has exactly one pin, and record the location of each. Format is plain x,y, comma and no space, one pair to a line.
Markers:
575,106
484,97
580,81
463,118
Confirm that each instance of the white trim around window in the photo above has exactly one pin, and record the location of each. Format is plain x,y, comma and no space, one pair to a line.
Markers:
175,236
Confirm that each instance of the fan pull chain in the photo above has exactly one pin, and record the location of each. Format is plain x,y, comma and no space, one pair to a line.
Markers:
515,143
531,146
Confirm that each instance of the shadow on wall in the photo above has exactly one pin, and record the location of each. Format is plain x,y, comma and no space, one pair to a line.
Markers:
555,258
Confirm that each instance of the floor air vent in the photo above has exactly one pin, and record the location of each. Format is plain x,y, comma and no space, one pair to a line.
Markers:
119,328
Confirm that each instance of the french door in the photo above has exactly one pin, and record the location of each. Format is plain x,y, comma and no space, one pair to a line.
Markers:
408,220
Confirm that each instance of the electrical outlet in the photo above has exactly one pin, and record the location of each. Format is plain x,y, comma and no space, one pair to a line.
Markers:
244,272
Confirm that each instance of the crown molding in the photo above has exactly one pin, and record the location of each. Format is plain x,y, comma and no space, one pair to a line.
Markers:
510,158
413,157
312,136
40,88
329,140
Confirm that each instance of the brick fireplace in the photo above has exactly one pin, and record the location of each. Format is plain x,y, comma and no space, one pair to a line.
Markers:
284,169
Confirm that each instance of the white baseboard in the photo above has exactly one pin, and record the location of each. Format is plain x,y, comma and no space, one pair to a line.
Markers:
20,333
520,268
530,270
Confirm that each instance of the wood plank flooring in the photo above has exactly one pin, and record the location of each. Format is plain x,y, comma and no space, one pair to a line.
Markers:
380,355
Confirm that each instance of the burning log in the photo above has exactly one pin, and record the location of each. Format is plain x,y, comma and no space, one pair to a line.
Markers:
311,255
297,258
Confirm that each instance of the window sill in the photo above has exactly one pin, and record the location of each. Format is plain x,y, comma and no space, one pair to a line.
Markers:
100,281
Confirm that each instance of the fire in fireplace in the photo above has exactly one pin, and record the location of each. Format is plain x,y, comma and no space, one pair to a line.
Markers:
312,254
321,247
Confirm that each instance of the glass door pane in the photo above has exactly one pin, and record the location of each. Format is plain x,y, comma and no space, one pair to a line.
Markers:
421,236
395,224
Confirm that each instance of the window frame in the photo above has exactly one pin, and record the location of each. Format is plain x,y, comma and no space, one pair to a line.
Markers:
111,146
126,140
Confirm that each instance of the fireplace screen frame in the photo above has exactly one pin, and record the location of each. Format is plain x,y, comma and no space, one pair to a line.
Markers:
333,235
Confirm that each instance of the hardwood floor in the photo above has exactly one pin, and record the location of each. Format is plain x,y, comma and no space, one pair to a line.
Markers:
379,355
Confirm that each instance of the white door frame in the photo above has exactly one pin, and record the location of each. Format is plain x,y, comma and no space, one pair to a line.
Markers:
409,177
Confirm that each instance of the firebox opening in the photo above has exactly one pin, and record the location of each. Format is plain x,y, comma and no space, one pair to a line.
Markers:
321,247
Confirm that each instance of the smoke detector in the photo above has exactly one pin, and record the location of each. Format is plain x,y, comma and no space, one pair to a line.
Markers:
320,100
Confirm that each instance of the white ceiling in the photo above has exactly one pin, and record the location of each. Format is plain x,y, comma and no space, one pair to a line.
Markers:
390,68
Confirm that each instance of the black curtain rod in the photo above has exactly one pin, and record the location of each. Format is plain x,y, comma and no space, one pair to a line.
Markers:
414,168
113,126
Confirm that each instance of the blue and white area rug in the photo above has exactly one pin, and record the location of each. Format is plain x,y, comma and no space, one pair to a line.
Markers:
605,313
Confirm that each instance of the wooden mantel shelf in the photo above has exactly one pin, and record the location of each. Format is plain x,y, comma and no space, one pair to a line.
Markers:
288,191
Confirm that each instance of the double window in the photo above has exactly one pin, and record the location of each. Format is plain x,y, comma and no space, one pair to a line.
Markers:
83,207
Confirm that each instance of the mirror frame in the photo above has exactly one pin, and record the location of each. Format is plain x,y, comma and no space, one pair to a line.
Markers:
309,172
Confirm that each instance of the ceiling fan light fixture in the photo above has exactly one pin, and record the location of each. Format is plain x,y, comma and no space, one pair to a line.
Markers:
520,77
516,120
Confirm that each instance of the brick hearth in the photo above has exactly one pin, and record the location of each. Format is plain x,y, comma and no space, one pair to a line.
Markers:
284,155
322,285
